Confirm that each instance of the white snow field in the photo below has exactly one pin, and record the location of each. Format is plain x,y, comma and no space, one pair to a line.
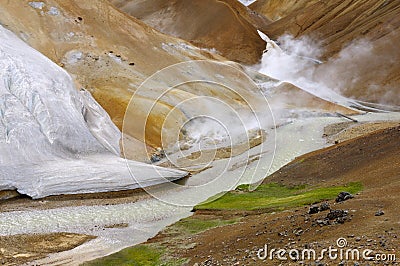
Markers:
55,139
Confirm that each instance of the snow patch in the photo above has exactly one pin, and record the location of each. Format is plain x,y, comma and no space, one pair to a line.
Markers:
53,11
247,2
55,139
73,57
117,59
37,5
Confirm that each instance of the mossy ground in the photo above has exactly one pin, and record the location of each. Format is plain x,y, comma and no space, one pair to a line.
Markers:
194,225
157,255
140,255
274,197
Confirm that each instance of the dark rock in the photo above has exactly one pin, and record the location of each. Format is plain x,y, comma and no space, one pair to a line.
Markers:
324,207
313,209
335,214
155,158
298,232
343,196
379,213
322,222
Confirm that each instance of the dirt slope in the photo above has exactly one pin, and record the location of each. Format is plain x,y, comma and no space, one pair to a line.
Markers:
277,9
21,249
227,26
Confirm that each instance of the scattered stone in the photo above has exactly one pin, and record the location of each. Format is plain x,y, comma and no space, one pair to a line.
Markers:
337,216
321,223
298,232
285,233
313,209
358,239
334,214
157,156
343,196
324,207
379,213
120,225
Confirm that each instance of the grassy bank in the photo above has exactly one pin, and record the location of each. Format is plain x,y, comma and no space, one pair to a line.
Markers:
274,197
140,255
155,254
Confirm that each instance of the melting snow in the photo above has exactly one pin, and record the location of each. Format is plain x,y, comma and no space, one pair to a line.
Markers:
247,2
53,11
55,139
73,56
37,5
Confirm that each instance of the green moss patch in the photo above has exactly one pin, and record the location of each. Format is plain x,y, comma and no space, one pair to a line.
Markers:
140,255
274,197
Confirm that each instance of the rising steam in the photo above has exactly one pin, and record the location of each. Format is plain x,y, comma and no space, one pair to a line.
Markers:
360,71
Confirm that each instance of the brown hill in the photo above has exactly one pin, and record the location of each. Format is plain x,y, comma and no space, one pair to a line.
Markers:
227,26
366,70
277,9
335,23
